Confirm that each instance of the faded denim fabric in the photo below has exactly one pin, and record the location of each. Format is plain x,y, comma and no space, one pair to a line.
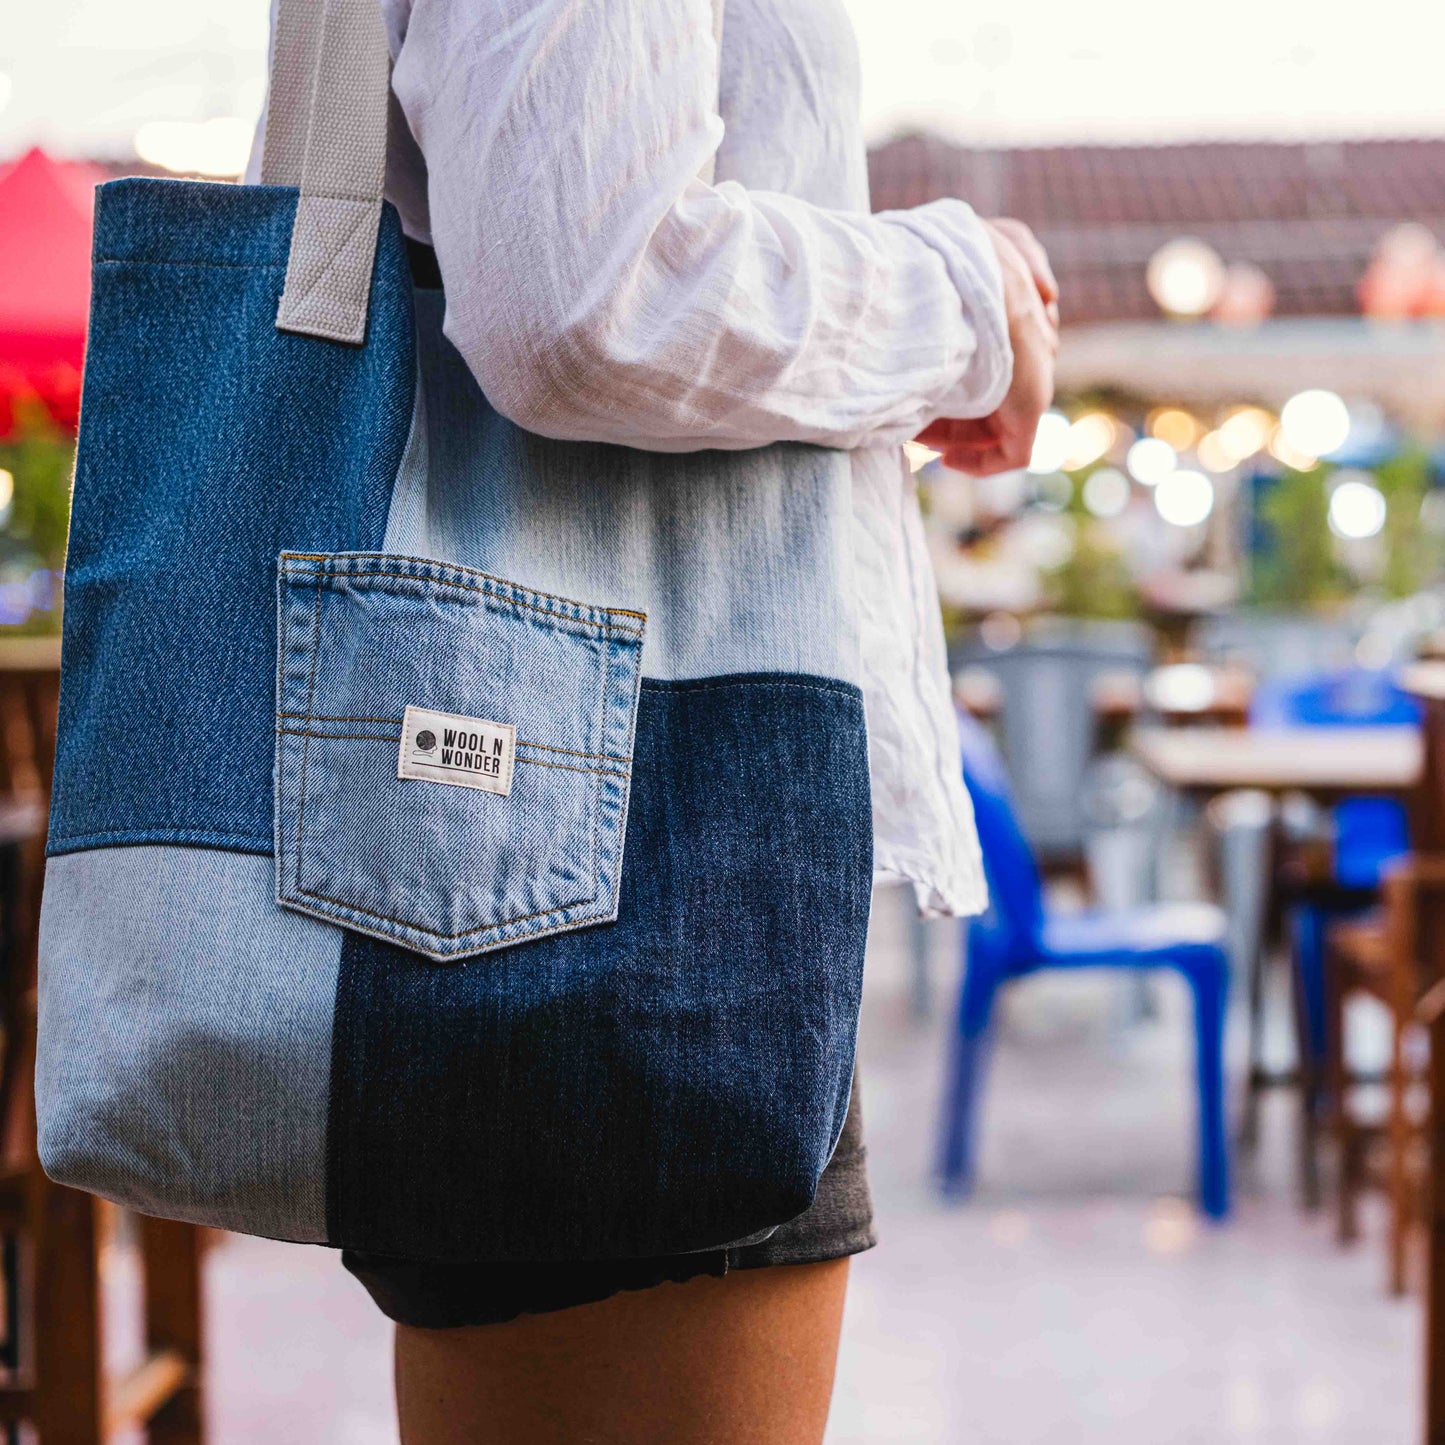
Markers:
184,1056
447,869
209,444
742,561
669,1080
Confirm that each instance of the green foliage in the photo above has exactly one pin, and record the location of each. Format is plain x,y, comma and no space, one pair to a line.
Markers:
1095,581
41,459
1412,552
1301,568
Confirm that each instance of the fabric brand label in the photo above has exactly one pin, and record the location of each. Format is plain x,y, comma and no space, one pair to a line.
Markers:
468,752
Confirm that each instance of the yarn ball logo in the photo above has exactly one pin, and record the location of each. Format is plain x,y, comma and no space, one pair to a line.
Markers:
426,741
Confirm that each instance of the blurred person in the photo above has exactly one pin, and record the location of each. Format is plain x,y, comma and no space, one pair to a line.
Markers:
546,162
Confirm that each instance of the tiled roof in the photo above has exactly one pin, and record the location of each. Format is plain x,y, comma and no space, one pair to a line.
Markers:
1309,214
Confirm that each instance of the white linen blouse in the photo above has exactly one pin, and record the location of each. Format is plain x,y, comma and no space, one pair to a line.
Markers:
600,291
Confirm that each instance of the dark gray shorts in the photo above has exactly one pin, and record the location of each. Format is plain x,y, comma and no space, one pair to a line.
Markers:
448,1295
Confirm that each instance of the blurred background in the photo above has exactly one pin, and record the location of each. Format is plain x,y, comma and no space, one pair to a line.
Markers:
1152,1143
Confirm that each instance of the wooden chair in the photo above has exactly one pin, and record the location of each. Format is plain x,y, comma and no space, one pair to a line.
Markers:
1431,1014
1392,956
1396,955
50,1237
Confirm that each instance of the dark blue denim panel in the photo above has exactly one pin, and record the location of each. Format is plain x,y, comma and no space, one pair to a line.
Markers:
209,443
668,1082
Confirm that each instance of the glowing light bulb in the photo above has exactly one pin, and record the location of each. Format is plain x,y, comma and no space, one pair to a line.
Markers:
1089,438
1184,498
1214,456
1150,460
1051,443
1357,509
1185,276
1282,451
1315,422
1176,426
1245,431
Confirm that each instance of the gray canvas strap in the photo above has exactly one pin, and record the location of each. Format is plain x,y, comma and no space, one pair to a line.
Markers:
326,134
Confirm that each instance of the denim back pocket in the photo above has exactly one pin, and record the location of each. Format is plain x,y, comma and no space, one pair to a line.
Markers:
453,752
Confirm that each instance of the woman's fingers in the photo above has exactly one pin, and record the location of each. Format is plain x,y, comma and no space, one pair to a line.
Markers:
987,452
949,432
976,461
1004,440
1037,258
937,434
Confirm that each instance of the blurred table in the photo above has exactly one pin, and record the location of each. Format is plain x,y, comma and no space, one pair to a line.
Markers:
1326,764
1425,679
1185,693
1176,601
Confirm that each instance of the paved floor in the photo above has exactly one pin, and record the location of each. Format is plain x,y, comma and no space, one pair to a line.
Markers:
1075,1300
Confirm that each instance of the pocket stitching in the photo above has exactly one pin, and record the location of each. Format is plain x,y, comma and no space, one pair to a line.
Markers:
318,579
329,579
431,932
306,745
328,575
397,722
532,762
329,568
597,736
390,935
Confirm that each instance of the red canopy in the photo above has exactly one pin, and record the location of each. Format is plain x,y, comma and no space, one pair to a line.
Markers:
45,222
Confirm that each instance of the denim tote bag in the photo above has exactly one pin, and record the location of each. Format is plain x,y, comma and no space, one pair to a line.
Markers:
460,843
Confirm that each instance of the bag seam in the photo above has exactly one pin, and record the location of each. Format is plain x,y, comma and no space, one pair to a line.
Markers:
385,935
306,746
836,687
375,738
353,568
205,265
397,722
435,933
325,579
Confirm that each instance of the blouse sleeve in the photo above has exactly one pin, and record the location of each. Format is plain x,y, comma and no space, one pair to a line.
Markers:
599,291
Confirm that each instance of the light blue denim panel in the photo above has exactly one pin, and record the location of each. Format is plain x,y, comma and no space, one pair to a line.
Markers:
410,855
741,560
184,1059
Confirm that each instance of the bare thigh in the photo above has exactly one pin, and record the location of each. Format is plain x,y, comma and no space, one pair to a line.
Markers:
747,1359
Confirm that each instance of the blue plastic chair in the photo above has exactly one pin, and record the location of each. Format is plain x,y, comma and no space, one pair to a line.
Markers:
1368,832
1018,936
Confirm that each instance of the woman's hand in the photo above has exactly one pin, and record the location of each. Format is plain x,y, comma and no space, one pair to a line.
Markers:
1003,440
